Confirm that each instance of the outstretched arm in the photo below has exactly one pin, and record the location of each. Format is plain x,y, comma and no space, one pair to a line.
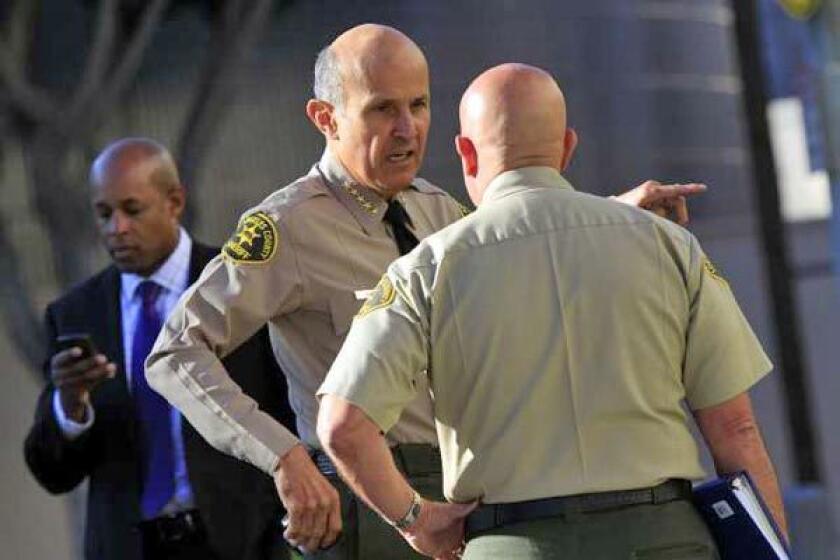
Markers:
731,432
668,201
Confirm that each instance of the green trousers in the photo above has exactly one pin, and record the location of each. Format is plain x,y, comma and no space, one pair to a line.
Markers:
365,536
671,531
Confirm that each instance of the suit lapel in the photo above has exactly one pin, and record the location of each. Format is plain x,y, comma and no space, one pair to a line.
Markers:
106,323
199,257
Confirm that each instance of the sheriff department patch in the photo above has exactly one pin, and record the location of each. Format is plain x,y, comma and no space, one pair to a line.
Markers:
713,272
383,295
254,241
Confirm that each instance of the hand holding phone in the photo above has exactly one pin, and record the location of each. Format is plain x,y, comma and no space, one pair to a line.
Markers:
82,341
75,369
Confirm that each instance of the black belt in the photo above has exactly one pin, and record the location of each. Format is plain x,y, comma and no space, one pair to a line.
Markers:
185,526
412,459
490,516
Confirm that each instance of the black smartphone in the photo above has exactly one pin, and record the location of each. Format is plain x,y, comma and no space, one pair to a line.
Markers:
77,340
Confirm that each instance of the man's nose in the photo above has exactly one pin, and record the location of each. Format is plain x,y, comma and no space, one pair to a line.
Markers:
405,125
118,224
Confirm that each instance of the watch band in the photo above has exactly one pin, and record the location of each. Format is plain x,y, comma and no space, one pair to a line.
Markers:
411,515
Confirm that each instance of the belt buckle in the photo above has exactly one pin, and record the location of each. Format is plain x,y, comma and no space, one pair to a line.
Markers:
177,527
189,521
173,529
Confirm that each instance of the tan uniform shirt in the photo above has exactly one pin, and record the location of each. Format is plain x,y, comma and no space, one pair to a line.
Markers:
560,333
302,261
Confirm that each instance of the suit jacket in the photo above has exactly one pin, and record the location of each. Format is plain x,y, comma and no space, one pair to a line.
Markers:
237,502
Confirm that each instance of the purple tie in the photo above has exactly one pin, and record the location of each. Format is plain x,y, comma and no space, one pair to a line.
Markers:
153,412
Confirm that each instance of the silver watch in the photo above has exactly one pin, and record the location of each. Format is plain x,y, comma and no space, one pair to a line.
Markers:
411,515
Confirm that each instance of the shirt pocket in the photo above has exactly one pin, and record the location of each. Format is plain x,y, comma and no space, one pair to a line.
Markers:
343,307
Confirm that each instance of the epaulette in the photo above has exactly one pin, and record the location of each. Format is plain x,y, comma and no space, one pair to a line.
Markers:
423,186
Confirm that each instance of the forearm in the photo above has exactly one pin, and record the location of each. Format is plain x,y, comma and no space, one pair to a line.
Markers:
195,382
735,442
364,461
747,452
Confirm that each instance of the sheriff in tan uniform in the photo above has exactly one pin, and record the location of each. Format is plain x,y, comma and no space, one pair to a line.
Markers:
546,398
555,365
560,334
303,261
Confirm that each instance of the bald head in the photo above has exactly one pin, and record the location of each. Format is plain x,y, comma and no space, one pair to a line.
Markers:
372,106
358,53
514,115
138,200
136,156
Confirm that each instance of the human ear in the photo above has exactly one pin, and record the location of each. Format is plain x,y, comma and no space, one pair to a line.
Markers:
469,156
322,115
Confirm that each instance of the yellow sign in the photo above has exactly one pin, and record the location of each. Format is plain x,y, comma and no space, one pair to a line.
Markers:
801,9
254,241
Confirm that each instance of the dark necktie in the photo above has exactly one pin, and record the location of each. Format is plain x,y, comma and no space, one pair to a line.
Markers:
153,412
398,218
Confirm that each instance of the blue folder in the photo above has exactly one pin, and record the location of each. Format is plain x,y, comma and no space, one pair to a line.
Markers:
739,520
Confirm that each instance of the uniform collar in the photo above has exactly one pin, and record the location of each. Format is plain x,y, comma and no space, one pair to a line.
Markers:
522,179
172,275
364,203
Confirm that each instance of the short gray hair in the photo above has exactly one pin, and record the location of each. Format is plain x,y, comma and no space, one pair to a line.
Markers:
327,84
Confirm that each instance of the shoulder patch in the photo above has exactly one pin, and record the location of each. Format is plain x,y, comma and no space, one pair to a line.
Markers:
713,271
254,241
383,295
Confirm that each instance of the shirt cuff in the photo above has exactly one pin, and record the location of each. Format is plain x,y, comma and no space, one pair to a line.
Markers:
70,428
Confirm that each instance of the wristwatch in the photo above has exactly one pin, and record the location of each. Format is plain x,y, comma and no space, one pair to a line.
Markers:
411,515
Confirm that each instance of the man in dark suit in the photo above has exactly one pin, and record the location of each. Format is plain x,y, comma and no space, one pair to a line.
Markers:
157,490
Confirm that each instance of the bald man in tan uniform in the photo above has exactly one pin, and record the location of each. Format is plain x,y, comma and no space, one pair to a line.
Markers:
303,261
560,334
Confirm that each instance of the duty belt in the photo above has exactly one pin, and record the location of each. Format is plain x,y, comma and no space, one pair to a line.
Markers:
412,459
490,516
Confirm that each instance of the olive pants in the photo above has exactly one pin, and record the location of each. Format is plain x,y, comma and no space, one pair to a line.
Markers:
671,531
365,536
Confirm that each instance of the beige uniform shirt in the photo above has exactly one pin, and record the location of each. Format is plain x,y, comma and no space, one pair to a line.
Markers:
560,333
303,261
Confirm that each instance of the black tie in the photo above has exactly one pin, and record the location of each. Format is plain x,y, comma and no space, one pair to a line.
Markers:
398,218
